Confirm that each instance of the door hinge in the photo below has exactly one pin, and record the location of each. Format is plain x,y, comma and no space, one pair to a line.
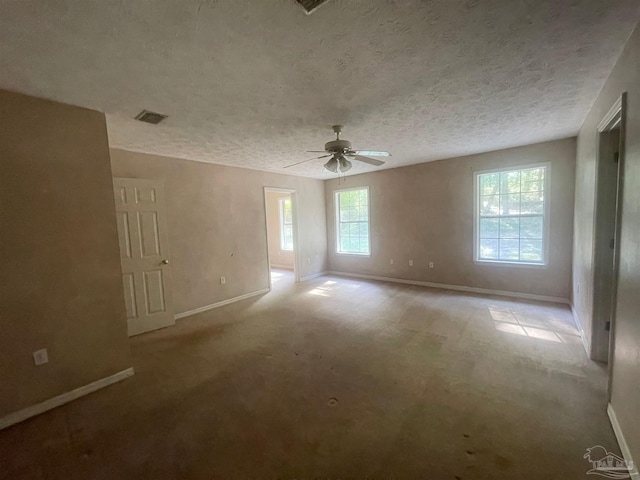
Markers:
607,326
612,243
616,156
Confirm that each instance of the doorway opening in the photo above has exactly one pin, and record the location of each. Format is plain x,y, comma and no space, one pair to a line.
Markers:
609,171
280,213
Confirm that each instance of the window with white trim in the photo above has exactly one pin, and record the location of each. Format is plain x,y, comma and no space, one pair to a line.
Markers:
286,224
511,215
352,221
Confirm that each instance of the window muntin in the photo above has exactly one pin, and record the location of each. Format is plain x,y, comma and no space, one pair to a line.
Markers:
352,221
511,215
286,224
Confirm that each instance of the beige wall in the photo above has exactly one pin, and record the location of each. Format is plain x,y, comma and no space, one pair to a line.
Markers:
217,224
625,400
277,256
61,286
425,213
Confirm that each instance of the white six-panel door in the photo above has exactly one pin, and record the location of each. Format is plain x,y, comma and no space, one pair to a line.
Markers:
144,254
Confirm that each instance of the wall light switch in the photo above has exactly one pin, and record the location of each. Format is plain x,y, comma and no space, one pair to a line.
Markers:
391,261
223,280
308,261
40,357
411,263
430,264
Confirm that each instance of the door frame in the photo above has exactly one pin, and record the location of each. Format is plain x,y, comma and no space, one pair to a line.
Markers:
615,118
294,217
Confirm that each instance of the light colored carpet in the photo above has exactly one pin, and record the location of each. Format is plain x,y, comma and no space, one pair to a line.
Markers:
336,379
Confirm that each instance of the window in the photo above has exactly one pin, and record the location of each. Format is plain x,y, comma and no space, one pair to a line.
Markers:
512,215
352,221
286,224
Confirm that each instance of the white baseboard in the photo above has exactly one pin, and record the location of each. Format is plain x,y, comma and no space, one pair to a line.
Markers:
54,402
312,276
460,288
624,448
282,267
576,320
178,316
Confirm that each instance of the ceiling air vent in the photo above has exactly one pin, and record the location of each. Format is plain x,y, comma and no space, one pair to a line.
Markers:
310,6
150,117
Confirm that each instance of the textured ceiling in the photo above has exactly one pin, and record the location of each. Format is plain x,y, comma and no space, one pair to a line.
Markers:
256,83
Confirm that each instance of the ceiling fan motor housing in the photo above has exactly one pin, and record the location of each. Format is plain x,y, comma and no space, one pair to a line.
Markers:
338,146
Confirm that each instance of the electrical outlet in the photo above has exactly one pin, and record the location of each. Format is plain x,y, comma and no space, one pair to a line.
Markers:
411,263
430,264
391,261
40,357
223,280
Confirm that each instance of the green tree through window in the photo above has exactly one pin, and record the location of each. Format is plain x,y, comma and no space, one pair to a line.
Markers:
352,221
511,216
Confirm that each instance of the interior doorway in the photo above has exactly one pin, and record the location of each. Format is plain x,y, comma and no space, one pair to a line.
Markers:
280,214
609,170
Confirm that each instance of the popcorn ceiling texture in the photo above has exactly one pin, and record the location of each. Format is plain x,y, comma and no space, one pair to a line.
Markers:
257,83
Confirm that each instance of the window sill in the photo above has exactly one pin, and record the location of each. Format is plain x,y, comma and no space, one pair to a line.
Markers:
499,263
349,254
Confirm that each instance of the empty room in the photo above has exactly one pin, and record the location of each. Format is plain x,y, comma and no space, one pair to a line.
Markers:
319,239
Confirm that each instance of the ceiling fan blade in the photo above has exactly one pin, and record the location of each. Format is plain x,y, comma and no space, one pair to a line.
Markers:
308,160
316,151
371,161
372,153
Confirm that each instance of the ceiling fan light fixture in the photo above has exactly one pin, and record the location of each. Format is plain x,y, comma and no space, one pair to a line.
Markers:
341,155
345,165
332,165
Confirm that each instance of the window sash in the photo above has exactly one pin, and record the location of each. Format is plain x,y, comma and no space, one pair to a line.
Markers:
352,221
516,231
286,225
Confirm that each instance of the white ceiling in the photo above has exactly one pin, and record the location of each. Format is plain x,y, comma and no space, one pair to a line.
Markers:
256,83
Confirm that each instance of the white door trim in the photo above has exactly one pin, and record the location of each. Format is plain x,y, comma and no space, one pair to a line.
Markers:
616,117
294,214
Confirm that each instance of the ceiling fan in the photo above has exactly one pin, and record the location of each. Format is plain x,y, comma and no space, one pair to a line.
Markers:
341,154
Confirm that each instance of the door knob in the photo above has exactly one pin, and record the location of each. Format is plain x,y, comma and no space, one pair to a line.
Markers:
165,262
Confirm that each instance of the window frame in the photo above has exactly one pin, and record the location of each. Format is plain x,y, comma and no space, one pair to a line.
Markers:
545,222
281,202
336,201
